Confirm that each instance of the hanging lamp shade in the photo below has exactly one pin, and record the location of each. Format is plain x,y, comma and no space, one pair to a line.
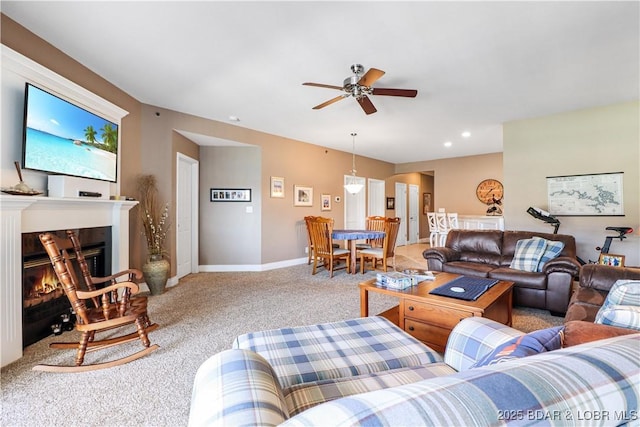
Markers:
353,188
352,185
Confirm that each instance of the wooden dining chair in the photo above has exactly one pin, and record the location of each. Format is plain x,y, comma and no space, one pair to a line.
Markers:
323,247
309,244
97,310
392,226
373,223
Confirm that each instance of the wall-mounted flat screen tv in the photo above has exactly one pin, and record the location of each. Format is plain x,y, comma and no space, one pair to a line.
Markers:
63,138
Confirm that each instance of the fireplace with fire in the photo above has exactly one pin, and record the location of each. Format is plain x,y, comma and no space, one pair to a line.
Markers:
45,308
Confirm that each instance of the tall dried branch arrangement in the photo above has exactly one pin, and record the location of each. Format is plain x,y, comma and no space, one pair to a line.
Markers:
154,216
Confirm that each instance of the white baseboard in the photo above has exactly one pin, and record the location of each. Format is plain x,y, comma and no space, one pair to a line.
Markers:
252,267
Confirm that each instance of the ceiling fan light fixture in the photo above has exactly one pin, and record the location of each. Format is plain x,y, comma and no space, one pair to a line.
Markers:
359,86
352,186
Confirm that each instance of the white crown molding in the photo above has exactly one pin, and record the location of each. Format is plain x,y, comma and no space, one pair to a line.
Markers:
60,86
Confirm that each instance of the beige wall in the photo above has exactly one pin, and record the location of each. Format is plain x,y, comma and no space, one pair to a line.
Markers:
282,236
455,180
595,140
425,184
229,235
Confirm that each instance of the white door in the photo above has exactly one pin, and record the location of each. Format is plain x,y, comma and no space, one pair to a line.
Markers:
186,215
401,212
355,206
414,214
376,198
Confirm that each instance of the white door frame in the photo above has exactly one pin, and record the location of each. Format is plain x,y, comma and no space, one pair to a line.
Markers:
414,215
193,186
355,205
376,203
401,212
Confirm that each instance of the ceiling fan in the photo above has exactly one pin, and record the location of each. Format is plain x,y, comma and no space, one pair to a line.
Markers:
359,86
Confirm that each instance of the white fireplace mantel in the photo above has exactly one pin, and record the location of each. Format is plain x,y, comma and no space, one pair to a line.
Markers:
25,214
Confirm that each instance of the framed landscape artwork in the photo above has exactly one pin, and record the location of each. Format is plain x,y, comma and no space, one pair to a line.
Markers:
302,195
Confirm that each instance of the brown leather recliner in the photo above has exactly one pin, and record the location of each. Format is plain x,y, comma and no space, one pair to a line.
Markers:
488,253
595,282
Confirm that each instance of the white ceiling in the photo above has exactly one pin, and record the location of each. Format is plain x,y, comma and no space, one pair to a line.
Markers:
475,64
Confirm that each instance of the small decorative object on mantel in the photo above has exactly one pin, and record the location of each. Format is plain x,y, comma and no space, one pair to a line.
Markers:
155,222
21,189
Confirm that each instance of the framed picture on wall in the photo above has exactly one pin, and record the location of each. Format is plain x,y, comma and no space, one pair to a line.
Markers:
599,194
230,195
302,195
426,203
391,203
277,187
325,202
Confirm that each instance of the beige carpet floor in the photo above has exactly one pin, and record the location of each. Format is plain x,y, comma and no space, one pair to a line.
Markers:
199,317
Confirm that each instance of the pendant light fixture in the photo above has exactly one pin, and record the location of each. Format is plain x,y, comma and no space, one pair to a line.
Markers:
352,186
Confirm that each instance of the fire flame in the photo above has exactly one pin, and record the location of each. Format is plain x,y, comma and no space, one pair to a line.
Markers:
48,283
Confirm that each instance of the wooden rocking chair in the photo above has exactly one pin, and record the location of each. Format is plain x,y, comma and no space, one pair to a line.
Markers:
97,310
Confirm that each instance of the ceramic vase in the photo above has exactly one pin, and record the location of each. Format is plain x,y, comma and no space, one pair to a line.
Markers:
156,273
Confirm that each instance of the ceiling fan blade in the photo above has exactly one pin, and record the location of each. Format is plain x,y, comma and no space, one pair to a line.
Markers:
366,105
370,77
409,93
322,85
331,101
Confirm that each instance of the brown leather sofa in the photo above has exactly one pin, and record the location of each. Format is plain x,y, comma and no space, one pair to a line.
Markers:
488,253
595,282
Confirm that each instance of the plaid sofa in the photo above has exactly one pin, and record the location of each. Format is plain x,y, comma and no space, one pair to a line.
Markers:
368,371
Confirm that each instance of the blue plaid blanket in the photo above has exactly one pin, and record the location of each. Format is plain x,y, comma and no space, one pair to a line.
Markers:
562,387
337,350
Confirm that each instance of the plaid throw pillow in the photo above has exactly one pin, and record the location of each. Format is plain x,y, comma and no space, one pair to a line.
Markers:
528,254
623,292
622,305
552,251
622,316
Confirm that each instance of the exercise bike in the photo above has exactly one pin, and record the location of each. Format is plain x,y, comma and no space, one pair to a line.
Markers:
622,234
604,249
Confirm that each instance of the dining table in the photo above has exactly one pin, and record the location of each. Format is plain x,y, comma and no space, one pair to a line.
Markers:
351,236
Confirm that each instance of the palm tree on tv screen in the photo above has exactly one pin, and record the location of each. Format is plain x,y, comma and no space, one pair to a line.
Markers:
90,133
110,138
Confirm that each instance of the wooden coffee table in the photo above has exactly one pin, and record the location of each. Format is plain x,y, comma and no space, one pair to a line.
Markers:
430,318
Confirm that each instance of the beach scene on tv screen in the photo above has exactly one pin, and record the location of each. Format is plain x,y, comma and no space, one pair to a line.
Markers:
63,138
